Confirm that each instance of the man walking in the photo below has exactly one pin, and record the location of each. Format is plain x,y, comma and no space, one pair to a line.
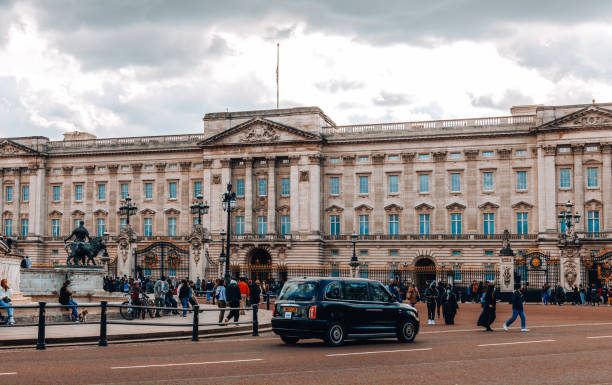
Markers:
244,293
160,289
233,299
517,310
221,299
430,295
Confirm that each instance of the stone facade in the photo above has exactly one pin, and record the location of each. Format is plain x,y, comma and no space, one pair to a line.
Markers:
441,191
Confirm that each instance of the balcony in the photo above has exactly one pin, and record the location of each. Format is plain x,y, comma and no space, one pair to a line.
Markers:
263,237
428,237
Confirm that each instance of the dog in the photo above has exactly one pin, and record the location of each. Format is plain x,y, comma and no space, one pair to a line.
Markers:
83,316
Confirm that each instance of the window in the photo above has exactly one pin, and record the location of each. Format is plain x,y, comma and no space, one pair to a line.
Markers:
285,224
355,290
592,180
148,190
487,154
172,190
455,182
198,165
335,160
122,223
564,178
55,227
148,227
455,155
125,190
334,289
9,193
8,227
521,223
101,192
285,187
423,183
423,223
487,181
364,224
101,227
148,167
489,272
78,192
25,193
262,225
393,253
393,157
56,193
173,166
262,187
79,170
521,180
455,223
521,152
456,272
364,272
565,149
334,185
25,225
423,156
125,168
334,225
197,189
240,187
239,225
363,158
393,224
171,227
592,148
456,253
363,185
488,223
593,221
101,169
378,293
393,184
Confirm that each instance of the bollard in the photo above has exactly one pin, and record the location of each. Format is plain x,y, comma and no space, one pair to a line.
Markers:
103,341
255,321
268,302
40,343
196,323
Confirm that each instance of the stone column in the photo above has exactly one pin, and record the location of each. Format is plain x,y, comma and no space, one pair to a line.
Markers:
506,189
67,194
248,196
137,196
294,199
271,161
472,184
17,199
226,177
578,184
160,198
439,192
90,199
185,198
550,190
606,187
408,194
315,194
197,253
34,201
348,194
41,202
378,193
207,192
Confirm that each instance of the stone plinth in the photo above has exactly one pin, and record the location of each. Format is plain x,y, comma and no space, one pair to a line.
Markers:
41,281
9,269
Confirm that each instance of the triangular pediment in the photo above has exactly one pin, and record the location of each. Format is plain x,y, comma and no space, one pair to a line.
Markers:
10,148
259,131
590,116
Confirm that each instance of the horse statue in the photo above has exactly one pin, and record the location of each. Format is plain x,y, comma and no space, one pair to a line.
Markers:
80,251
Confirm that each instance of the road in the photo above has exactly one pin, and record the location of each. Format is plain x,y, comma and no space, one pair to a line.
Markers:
566,345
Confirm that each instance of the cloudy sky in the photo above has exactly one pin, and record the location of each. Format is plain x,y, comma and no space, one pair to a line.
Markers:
151,67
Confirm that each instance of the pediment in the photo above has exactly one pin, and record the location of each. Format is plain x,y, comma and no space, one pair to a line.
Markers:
100,213
455,206
172,211
488,206
55,213
591,116
522,205
423,206
393,207
78,213
147,211
258,131
363,207
10,148
334,208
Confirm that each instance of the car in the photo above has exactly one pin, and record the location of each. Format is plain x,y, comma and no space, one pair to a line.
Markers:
336,309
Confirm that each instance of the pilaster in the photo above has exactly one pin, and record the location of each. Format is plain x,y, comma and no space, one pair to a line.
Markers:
271,162
248,196
294,198
315,193
606,186
578,183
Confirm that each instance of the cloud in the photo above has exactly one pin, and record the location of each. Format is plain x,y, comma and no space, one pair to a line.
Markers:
509,98
334,85
391,99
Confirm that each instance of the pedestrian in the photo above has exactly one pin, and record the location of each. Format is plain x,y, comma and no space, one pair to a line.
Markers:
518,301
487,317
594,295
233,295
449,306
244,294
193,297
475,298
209,290
576,294
5,299
430,296
255,293
604,295
413,295
198,286
221,299
559,294
170,301
439,299
65,298
582,295
159,290
184,293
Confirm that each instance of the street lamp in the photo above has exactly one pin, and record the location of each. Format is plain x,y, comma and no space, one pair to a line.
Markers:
228,200
199,208
128,209
568,217
222,258
354,261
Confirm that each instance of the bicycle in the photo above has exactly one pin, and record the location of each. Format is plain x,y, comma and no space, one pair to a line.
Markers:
129,313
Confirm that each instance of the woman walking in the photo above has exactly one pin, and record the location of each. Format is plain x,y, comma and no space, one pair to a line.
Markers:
413,295
430,296
488,309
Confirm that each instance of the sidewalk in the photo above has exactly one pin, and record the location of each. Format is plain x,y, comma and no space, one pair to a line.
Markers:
78,332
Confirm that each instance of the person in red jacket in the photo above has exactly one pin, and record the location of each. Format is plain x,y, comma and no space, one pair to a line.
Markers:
244,293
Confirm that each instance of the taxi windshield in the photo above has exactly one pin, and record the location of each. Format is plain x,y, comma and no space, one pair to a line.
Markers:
298,291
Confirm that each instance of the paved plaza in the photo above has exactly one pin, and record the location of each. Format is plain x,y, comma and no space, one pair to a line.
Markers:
566,345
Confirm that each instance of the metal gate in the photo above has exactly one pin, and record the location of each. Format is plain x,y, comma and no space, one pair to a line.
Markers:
598,268
534,268
162,259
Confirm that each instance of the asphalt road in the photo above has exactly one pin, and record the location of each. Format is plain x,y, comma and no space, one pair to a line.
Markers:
567,345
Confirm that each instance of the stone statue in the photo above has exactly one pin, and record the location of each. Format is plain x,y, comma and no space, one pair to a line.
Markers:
80,249
506,249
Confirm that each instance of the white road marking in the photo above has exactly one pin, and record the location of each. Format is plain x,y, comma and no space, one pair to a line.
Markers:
8,373
376,352
600,337
185,364
516,343
530,327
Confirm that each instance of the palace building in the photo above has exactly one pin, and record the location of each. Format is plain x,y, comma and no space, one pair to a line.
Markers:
426,193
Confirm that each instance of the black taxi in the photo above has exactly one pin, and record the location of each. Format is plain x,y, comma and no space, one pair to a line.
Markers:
335,309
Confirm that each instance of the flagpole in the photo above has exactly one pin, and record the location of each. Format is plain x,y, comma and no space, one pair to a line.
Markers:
277,64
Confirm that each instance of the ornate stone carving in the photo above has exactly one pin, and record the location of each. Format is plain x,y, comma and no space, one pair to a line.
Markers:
570,272
504,153
304,176
471,154
315,159
408,157
160,166
216,179
507,275
136,167
259,133
67,169
439,156
549,150
578,149
348,159
112,168
207,163
185,166
226,163
591,119
90,168
378,158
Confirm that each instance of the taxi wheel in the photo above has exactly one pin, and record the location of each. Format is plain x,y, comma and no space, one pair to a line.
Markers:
334,336
290,340
407,330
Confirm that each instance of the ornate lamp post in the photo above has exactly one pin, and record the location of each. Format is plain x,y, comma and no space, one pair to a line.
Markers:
105,258
569,218
222,258
128,209
229,202
199,208
354,261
